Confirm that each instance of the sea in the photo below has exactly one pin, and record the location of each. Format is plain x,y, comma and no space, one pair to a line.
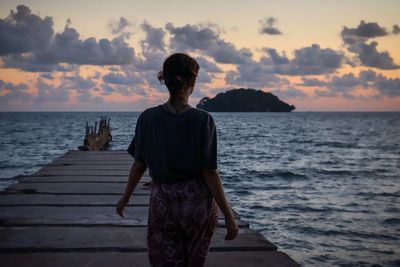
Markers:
323,187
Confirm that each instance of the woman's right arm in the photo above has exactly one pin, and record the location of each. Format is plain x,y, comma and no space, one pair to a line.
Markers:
213,181
136,172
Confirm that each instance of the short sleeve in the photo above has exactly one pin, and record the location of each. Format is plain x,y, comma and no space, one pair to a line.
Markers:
135,147
209,144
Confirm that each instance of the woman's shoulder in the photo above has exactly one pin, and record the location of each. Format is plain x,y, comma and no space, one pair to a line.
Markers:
150,111
204,116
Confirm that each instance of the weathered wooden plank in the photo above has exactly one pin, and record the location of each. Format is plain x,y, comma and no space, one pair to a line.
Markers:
102,152
72,215
78,179
59,200
140,259
133,239
17,215
63,167
46,171
92,162
77,188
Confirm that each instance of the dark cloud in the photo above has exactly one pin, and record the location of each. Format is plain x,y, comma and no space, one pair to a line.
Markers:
346,84
207,40
310,82
267,71
396,29
311,60
367,54
314,60
12,87
82,86
25,62
254,74
13,93
153,48
118,27
47,76
154,37
387,86
27,43
116,78
80,83
47,93
371,57
207,65
23,32
345,81
276,58
267,26
204,77
364,30
68,48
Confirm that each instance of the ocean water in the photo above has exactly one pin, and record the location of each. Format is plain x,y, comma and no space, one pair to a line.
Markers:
324,187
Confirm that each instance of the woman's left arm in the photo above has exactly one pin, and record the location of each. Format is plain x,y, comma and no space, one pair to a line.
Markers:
135,174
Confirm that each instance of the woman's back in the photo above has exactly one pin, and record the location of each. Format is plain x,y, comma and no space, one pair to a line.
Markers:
175,146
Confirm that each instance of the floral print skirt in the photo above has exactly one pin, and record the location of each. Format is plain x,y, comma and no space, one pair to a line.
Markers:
181,223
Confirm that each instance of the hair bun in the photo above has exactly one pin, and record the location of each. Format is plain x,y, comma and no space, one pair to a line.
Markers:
179,71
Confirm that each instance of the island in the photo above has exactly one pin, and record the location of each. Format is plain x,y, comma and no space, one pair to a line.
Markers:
244,100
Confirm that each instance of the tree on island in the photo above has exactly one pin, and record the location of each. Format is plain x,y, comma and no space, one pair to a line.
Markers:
244,100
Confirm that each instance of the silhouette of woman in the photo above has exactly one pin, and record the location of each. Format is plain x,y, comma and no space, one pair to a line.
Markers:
178,143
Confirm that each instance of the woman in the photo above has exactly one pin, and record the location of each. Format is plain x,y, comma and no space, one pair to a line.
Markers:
178,143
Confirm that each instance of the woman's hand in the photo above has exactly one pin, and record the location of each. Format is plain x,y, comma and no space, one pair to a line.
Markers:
232,229
121,205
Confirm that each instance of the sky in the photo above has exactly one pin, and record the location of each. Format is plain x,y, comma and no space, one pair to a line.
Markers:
331,55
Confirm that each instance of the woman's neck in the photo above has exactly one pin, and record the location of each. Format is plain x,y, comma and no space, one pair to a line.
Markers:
177,104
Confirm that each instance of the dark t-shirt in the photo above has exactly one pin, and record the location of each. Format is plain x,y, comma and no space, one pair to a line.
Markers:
175,146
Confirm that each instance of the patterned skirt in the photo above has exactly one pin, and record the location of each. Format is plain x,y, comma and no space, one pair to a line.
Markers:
181,223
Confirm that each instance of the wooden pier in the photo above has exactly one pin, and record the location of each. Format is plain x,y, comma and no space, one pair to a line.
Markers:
64,215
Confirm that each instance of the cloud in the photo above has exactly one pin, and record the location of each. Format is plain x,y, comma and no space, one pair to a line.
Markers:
154,37
208,65
47,93
311,82
396,29
13,93
29,44
23,32
207,40
116,78
118,27
13,87
267,27
387,86
312,60
47,76
367,54
371,57
346,84
268,71
254,74
364,30
276,58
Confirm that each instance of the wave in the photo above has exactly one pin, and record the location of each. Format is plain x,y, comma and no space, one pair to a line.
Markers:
347,233
281,174
392,221
335,144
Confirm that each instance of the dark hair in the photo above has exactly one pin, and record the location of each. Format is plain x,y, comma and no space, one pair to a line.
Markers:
179,71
